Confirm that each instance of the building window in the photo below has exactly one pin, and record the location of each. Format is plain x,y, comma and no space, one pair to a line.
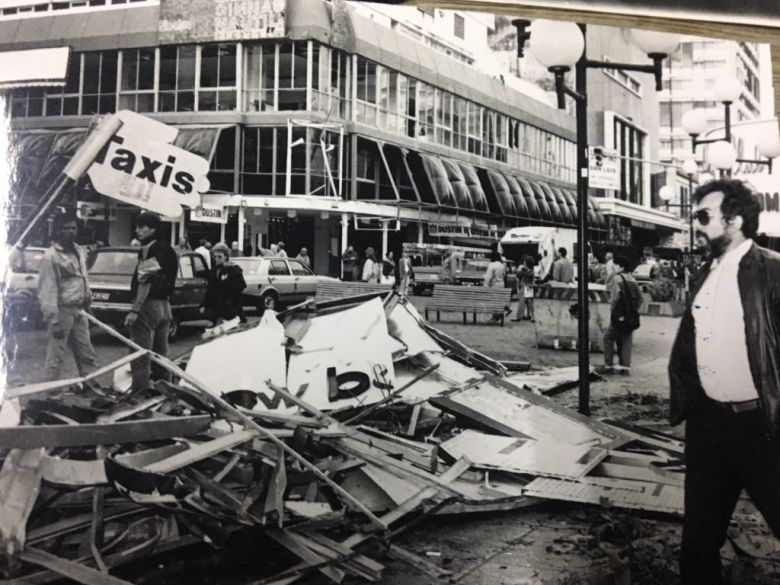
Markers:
629,143
460,26
426,111
292,76
136,90
217,88
257,161
177,79
365,106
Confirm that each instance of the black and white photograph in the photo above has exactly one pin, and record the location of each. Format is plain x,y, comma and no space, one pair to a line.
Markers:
336,291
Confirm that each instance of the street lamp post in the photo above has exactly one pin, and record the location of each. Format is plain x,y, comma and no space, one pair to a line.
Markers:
721,153
559,46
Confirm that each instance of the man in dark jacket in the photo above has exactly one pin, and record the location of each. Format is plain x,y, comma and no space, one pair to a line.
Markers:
150,317
725,378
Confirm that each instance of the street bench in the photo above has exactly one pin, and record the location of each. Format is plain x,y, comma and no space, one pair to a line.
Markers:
329,291
468,299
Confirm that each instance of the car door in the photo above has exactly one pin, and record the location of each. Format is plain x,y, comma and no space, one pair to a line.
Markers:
279,278
200,279
304,279
189,290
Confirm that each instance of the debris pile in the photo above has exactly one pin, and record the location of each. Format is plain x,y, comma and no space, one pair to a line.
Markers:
332,427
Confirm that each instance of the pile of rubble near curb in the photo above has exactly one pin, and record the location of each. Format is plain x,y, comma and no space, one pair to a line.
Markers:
331,427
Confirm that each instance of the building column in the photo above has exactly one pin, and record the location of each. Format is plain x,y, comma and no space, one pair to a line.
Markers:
384,240
344,242
420,233
240,228
223,225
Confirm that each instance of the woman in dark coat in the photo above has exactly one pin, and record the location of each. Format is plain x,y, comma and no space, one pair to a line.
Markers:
222,301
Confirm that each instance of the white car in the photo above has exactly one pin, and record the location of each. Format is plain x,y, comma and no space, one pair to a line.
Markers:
272,282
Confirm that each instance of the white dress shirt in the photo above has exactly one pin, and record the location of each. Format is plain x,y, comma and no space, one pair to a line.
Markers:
721,347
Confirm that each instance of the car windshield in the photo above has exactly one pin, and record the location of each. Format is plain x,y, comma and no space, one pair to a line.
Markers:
28,262
114,262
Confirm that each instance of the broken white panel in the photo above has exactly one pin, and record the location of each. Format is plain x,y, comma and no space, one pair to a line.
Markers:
632,495
515,455
354,342
243,360
526,415
10,412
404,324
547,380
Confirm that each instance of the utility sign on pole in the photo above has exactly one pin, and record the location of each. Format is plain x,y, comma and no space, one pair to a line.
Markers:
603,168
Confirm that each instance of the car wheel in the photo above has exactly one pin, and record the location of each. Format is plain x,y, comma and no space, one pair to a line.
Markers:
269,300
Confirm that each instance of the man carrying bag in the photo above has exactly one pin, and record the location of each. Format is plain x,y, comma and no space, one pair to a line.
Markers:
626,298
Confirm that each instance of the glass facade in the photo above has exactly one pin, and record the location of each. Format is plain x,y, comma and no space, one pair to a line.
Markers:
289,76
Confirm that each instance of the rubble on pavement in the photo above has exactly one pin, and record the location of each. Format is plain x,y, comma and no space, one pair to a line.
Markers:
331,427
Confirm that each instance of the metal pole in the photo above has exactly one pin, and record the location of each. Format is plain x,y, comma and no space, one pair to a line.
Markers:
582,231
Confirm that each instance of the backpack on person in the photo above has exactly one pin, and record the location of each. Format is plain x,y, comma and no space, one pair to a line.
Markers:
625,313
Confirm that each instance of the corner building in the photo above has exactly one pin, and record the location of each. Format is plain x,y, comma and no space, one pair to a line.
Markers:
322,126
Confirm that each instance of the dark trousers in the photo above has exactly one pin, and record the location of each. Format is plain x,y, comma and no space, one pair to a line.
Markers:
150,331
624,342
725,452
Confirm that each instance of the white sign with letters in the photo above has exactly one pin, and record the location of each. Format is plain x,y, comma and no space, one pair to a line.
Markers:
139,166
209,214
603,168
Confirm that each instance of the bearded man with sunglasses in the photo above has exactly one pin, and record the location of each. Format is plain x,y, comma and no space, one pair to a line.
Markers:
724,377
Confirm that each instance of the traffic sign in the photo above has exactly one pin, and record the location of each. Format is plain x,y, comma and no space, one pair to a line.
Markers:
603,168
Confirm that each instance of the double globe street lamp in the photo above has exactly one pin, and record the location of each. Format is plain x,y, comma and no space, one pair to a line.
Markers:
559,46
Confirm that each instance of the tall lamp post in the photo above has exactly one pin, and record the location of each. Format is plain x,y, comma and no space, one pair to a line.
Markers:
721,154
559,46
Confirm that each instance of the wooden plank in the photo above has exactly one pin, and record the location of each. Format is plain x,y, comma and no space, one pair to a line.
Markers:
416,561
73,472
70,569
202,451
20,481
137,431
294,544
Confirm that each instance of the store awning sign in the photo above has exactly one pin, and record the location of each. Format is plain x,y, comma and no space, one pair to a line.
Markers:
140,166
209,214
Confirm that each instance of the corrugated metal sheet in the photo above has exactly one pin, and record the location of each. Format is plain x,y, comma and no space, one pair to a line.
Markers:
555,458
633,495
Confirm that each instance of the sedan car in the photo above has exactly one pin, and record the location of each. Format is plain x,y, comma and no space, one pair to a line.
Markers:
110,274
272,282
20,289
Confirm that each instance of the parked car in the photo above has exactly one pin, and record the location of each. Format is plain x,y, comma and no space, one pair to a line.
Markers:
273,282
642,272
472,273
110,274
20,289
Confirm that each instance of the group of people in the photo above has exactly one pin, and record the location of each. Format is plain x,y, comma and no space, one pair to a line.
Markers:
370,269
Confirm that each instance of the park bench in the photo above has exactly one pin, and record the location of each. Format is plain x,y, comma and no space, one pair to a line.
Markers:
334,290
468,299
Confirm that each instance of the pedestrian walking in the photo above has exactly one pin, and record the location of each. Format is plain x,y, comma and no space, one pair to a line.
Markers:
625,299
609,269
388,269
281,252
448,268
63,290
563,269
204,249
222,300
303,256
150,318
525,291
495,277
350,265
371,270
405,273
724,375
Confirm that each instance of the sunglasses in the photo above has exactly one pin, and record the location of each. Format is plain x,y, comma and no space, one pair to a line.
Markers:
702,216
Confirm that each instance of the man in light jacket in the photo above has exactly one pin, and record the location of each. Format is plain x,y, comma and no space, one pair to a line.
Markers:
63,290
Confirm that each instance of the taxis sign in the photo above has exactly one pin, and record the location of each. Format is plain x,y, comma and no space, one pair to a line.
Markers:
140,166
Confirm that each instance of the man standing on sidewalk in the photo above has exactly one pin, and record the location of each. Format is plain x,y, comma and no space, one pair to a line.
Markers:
625,301
149,319
63,290
724,376
563,269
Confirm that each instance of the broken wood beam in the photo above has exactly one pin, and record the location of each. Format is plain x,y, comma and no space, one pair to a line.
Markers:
70,569
20,482
136,431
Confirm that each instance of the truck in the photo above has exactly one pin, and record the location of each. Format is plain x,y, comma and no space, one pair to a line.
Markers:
537,242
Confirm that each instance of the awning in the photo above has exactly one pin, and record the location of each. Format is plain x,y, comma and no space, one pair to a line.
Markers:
555,212
33,68
530,199
571,201
437,176
478,197
541,202
517,195
595,216
458,184
502,192
560,202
